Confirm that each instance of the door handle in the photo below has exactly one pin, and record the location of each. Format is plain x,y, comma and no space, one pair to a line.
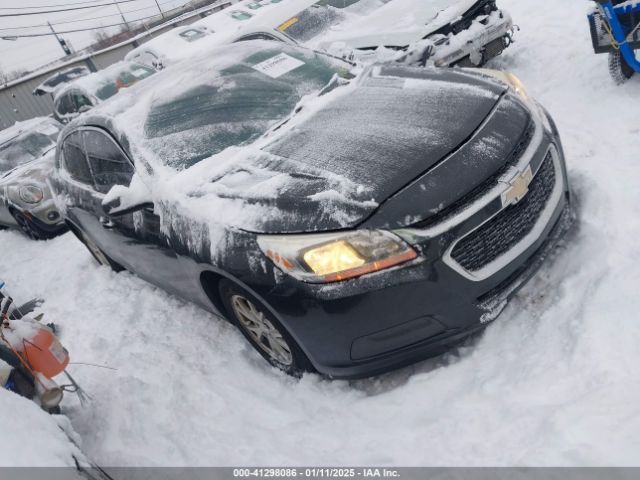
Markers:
106,222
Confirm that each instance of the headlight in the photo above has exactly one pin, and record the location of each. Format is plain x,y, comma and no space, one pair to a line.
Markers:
331,257
517,85
510,79
31,194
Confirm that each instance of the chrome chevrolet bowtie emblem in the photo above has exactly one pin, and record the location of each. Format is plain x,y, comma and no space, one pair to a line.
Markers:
519,187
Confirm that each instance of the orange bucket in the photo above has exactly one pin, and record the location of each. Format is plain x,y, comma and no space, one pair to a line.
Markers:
45,353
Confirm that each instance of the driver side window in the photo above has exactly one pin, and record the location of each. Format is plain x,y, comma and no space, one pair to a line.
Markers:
109,166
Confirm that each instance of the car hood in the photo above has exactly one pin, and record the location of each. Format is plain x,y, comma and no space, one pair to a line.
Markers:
399,23
36,170
334,169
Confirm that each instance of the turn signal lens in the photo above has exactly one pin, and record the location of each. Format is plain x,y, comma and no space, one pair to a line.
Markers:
331,257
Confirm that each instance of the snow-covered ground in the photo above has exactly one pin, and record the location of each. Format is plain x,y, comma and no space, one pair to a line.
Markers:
552,382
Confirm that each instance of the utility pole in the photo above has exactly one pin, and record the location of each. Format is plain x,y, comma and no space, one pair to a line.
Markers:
61,41
124,20
159,9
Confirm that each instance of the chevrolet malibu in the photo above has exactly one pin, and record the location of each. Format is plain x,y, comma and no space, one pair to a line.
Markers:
347,222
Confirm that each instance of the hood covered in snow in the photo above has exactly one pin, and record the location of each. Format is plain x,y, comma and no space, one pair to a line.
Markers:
392,128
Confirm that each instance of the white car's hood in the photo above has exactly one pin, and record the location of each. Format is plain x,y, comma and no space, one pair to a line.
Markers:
399,23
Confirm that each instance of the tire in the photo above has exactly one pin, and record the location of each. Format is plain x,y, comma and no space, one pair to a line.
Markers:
619,68
100,257
28,227
268,336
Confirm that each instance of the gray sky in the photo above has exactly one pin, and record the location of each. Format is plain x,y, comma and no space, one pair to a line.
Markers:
29,53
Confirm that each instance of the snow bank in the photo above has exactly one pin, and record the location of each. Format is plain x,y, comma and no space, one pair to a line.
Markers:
32,437
552,382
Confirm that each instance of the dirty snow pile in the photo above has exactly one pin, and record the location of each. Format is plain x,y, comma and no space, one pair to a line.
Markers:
553,381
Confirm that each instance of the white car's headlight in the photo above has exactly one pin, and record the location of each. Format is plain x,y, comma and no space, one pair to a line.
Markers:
31,194
331,257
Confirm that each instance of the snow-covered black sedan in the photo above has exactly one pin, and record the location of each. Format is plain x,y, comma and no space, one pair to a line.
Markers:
348,222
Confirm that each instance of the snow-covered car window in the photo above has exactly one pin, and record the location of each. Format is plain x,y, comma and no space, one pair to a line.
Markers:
24,149
247,99
123,79
240,15
75,161
192,34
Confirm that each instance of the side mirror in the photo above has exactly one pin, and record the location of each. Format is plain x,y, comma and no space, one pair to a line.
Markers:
122,200
114,208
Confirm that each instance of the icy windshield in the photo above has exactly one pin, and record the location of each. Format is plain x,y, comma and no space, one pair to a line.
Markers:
24,149
244,101
108,86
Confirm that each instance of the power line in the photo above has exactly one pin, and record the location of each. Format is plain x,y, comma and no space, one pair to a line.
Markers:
51,6
46,34
66,9
84,19
88,19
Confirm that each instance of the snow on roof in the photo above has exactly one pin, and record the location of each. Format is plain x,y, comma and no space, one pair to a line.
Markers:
92,83
222,28
399,22
269,15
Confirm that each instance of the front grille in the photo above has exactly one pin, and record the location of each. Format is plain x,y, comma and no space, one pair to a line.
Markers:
510,226
484,188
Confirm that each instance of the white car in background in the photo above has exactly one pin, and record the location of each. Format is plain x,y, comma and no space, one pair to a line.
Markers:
247,20
86,92
466,33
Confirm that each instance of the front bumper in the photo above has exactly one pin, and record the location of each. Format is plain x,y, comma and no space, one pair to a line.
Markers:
384,321
478,46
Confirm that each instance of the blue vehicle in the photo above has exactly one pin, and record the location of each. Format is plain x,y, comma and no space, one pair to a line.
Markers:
615,29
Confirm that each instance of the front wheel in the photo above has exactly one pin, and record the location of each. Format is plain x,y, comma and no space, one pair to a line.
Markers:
265,333
28,227
619,69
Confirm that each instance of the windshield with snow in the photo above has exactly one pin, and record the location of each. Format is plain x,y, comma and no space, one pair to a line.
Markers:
241,104
24,149
108,86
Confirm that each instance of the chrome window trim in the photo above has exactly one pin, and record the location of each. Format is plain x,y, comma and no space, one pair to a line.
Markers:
505,259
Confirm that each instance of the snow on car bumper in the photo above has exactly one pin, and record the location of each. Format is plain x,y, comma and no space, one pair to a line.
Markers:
474,42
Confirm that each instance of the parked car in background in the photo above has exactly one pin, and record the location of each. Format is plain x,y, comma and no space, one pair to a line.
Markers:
26,159
86,92
247,20
466,33
169,47
345,224
60,78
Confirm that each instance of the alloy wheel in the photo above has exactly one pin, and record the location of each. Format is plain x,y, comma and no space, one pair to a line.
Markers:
261,330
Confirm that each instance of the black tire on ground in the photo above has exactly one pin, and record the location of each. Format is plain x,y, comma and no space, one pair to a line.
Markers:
100,257
619,68
29,228
263,330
